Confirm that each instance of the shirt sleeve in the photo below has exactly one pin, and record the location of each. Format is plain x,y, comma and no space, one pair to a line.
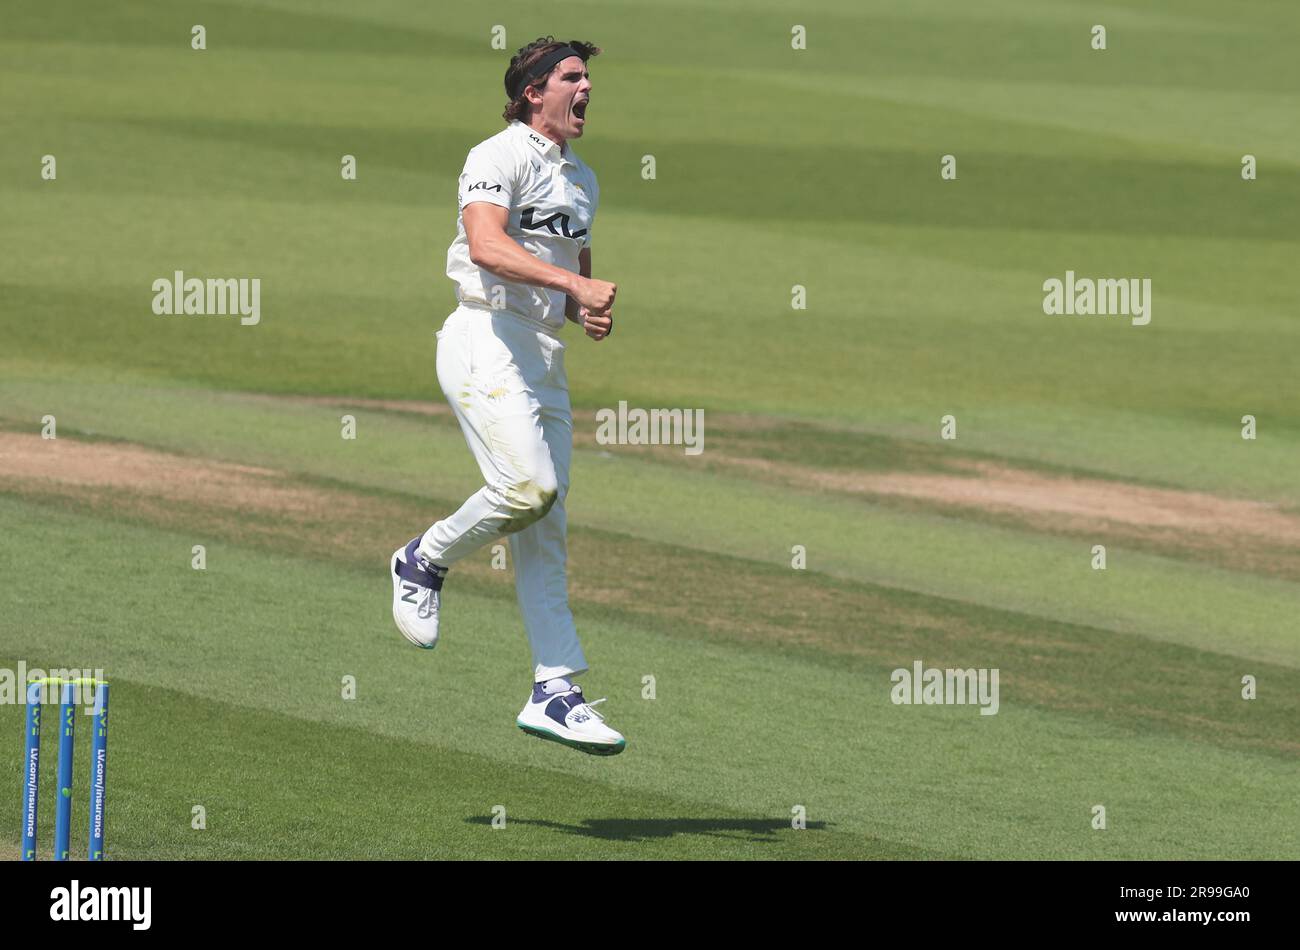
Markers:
488,176
595,202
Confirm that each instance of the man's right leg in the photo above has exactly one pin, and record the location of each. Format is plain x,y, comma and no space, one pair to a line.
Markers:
487,383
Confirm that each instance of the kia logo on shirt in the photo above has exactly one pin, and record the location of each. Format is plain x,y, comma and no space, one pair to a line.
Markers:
527,223
484,186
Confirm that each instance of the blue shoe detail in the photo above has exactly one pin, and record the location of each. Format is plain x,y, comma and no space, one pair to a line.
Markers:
560,707
410,570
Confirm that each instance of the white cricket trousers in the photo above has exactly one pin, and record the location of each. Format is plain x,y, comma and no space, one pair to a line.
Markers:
505,380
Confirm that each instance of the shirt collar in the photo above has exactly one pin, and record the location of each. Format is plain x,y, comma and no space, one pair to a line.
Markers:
540,142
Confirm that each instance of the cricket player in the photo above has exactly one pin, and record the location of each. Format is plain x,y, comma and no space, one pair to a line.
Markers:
521,262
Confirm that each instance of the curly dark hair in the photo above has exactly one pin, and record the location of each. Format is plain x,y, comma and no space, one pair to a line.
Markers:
521,68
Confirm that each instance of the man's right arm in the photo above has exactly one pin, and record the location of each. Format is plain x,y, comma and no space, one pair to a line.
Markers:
492,249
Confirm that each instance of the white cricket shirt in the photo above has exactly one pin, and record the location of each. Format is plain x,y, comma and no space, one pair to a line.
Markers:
551,196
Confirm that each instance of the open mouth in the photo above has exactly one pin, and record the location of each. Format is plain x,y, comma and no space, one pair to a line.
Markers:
580,109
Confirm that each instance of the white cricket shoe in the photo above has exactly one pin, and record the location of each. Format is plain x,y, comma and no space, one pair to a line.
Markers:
558,712
417,587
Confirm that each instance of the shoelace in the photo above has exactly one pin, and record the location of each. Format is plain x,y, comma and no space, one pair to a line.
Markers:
592,711
425,610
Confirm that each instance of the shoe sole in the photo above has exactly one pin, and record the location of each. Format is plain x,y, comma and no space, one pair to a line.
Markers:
591,748
392,572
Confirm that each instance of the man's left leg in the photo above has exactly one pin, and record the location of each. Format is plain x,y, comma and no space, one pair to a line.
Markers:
557,709
540,553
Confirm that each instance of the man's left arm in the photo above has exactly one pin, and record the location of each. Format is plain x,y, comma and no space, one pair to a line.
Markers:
597,326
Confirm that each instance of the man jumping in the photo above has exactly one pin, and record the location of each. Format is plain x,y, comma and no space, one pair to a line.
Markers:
521,262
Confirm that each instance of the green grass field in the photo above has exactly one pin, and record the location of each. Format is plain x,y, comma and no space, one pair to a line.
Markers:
775,167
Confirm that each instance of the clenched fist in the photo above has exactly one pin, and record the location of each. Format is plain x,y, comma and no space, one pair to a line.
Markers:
596,325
